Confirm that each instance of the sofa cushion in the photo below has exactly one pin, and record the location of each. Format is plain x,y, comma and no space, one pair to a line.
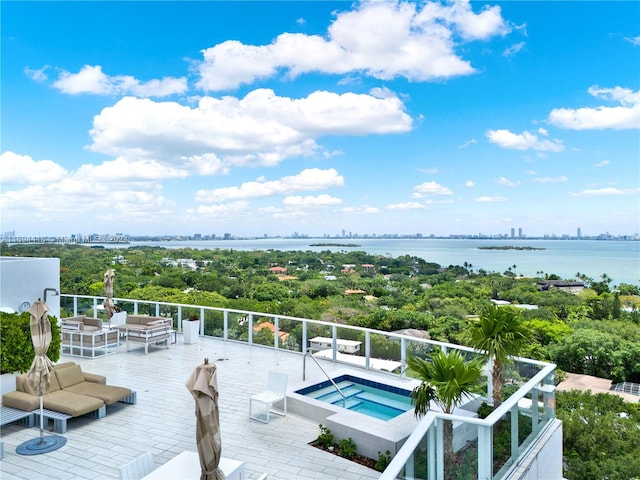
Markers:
21,401
69,376
90,328
71,403
107,393
24,385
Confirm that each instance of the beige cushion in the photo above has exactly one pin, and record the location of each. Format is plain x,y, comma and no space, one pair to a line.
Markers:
69,376
89,328
21,401
71,403
107,393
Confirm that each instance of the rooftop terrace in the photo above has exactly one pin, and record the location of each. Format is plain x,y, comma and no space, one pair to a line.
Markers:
163,421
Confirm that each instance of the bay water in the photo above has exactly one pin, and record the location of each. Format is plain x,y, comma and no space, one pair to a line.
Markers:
620,260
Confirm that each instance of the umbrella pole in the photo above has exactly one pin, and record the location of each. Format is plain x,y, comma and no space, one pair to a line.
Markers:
41,420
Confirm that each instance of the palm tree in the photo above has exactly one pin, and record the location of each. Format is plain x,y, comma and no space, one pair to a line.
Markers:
500,333
446,378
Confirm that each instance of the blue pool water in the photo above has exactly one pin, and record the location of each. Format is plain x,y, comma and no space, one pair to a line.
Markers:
374,399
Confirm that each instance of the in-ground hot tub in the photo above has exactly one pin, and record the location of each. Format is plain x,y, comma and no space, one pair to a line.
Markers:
381,416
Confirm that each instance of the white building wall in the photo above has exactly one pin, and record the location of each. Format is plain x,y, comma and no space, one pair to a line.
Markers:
544,461
24,279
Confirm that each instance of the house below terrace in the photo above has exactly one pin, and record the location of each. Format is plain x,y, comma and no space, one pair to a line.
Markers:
566,285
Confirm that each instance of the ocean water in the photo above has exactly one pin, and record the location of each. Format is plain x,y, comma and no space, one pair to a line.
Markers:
620,260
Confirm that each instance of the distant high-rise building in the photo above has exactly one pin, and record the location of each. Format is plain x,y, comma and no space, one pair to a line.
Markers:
513,233
579,233
227,236
520,233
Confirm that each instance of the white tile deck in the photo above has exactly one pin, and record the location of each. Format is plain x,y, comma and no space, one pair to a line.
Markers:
163,421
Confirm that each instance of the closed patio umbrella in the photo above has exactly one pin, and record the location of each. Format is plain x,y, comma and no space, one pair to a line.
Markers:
39,377
109,275
203,386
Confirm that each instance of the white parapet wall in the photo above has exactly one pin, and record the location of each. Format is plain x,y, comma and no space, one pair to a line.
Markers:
23,280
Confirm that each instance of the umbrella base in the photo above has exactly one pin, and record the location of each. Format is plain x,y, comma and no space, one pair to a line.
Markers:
37,446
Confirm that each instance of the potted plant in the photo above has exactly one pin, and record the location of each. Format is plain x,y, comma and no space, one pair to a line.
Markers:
191,329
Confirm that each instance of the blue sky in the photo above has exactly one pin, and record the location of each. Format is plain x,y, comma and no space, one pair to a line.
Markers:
277,117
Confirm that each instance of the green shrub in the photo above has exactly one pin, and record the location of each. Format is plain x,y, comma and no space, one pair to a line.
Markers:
16,347
384,459
347,448
325,439
484,410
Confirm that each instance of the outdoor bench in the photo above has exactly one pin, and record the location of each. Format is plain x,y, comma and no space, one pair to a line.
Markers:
147,330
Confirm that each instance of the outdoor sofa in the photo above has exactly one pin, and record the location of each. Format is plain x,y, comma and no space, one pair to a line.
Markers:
71,393
146,329
84,336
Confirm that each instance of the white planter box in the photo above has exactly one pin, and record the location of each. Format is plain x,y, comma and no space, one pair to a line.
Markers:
118,318
191,331
8,383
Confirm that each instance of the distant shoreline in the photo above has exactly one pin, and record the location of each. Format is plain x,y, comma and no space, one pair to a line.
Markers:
351,245
508,247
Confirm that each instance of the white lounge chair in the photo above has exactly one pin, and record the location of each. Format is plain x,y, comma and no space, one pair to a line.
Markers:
276,392
137,468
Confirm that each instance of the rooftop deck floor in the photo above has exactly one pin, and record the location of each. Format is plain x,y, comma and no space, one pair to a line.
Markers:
163,421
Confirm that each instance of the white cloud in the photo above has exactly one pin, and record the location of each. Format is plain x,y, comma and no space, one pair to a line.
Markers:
488,199
469,183
259,129
603,163
361,209
39,75
91,79
307,180
523,141
122,169
559,179
22,169
606,192
507,182
85,193
430,189
405,206
633,40
223,210
624,116
513,49
384,40
311,201
468,143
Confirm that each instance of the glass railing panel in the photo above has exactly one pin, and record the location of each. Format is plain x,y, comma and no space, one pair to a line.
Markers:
350,347
504,430
146,308
319,332
86,307
214,323
418,465
290,332
263,330
238,326
461,454
385,354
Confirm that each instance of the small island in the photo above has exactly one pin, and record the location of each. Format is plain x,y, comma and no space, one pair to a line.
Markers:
508,247
352,245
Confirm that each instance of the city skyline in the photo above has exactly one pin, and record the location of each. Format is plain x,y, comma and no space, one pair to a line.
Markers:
245,117
12,237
